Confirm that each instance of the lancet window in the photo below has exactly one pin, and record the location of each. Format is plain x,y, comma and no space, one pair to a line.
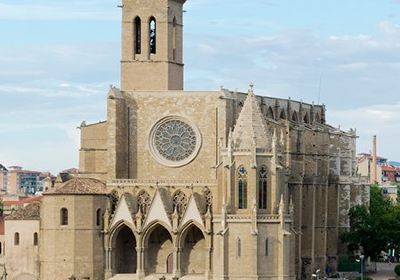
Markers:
242,188
153,35
138,35
262,188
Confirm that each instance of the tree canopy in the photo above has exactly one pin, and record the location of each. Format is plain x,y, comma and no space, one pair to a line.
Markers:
375,228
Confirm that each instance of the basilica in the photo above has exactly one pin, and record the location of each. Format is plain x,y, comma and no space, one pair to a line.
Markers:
179,184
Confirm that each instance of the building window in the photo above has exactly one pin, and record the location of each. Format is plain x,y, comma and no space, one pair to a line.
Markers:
179,202
144,202
262,188
138,35
1,248
16,239
174,38
35,239
64,216
266,247
153,35
239,247
98,217
242,188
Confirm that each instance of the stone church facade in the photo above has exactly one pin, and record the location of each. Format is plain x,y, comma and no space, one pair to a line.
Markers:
197,185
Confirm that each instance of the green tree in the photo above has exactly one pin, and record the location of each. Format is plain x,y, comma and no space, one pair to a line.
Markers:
374,228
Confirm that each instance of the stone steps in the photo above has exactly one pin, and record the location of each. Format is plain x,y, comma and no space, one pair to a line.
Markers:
155,277
124,277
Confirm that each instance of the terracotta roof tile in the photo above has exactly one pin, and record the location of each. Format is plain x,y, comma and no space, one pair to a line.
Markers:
22,201
29,212
79,186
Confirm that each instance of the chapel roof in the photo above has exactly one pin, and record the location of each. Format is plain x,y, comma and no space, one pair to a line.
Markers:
79,186
250,127
29,212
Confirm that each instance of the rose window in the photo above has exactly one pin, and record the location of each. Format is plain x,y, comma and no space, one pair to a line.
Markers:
174,141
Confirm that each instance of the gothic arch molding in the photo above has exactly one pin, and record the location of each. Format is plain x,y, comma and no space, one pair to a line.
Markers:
193,247
123,241
118,226
185,228
158,243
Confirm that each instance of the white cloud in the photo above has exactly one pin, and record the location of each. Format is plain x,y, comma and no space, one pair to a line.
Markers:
58,10
382,120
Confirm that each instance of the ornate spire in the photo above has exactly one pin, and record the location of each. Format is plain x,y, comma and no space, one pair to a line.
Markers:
250,128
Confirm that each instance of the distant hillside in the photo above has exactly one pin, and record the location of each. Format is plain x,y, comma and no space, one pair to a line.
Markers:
394,163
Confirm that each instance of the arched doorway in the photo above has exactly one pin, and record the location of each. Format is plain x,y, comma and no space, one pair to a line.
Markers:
159,249
125,256
194,251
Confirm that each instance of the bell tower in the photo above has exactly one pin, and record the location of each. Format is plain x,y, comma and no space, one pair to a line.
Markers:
152,45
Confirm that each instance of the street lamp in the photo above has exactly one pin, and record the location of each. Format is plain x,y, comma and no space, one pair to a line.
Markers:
361,261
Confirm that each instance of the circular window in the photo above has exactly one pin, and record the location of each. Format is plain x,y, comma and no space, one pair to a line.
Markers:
174,142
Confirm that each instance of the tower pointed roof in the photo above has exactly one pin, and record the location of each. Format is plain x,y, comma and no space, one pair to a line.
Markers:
250,128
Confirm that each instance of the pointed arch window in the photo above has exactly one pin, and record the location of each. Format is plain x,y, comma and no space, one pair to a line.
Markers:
35,239
239,247
98,217
138,35
64,216
16,239
242,188
174,38
262,188
153,35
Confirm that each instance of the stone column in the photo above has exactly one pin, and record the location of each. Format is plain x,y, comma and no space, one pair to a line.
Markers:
177,272
108,272
140,263
208,258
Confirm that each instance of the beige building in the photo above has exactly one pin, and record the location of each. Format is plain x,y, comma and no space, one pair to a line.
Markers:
22,228
198,185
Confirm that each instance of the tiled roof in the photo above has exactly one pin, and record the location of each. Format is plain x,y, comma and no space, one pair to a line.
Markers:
22,201
79,186
390,168
29,212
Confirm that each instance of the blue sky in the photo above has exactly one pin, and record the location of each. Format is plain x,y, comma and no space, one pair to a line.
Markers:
58,58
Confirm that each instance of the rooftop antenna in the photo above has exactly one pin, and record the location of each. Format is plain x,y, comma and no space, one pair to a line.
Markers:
320,86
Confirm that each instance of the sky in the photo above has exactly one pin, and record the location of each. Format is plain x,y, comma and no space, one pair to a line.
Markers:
59,58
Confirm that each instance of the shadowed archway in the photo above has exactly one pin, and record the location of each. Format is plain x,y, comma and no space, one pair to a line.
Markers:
194,251
124,251
159,247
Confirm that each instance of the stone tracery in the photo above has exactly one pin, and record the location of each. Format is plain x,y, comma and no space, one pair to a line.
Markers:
175,140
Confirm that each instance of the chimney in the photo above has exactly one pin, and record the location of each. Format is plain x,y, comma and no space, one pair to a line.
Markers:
374,178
